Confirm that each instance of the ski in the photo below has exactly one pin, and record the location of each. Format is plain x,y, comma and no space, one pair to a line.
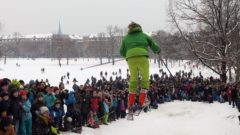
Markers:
130,114
140,109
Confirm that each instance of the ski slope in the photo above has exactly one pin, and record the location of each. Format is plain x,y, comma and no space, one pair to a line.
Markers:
176,118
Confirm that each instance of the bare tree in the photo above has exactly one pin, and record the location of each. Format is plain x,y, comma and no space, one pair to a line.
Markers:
235,53
115,36
7,50
101,40
207,26
57,43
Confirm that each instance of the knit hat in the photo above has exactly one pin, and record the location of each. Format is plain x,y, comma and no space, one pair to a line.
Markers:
40,95
57,102
43,109
69,119
21,82
31,82
23,92
3,83
15,83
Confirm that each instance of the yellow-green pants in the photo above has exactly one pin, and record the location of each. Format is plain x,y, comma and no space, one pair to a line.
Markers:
138,65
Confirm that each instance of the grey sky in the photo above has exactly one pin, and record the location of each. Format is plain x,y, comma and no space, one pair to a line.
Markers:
80,16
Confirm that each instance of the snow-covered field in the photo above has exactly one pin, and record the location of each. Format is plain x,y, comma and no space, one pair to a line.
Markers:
176,118
31,69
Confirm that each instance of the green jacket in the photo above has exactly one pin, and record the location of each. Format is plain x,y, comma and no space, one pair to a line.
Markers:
136,43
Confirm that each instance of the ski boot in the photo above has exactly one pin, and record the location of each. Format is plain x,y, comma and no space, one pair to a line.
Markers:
131,101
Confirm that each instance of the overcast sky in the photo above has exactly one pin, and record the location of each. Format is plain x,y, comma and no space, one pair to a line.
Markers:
80,16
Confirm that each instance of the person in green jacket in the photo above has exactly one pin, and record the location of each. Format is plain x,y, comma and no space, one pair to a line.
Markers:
135,49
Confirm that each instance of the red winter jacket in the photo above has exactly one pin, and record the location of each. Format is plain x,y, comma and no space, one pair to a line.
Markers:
94,104
229,93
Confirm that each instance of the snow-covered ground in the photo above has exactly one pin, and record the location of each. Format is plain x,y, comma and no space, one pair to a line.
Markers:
31,69
176,118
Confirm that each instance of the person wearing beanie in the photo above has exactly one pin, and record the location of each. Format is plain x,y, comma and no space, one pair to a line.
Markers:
22,84
37,104
32,89
49,98
26,116
43,124
31,82
4,105
4,85
15,84
44,110
134,49
6,128
75,86
56,113
15,109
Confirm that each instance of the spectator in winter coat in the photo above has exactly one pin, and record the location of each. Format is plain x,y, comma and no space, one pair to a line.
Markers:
6,128
43,124
95,104
85,109
122,109
106,111
4,85
114,106
4,104
37,104
73,111
234,96
56,113
26,118
49,98
229,95
15,109
92,120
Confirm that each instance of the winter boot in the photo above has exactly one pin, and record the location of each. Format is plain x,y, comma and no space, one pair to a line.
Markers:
131,101
142,97
143,102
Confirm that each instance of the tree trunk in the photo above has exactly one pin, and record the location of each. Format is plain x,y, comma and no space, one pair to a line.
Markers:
67,60
59,62
237,72
113,62
223,76
230,74
5,59
159,63
101,60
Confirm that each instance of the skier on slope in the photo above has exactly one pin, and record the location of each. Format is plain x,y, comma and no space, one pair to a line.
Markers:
135,49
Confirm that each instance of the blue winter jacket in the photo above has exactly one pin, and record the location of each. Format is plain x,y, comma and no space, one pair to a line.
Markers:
56,115
115,102
71,99
26,113
49,100
105,107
